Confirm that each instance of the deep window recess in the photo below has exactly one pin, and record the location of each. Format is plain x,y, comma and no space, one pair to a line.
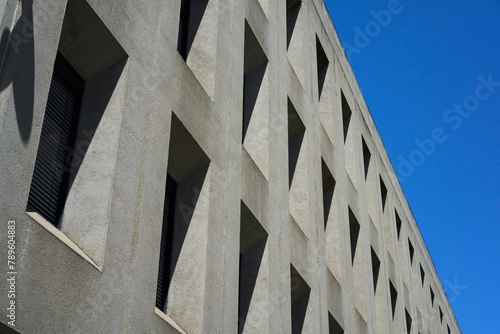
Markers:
354,228
328,189
186,172
440,314
333,325
253,241
183,28
167,233
366,156
322,64
49,185
432,296
383,193
292,13
191,14
408,322
254,68
422,275
398,223
411,250
375,269
346,115
394,298
296,131
300,293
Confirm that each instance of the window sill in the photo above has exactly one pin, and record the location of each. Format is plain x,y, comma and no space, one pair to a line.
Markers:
169,320
62,237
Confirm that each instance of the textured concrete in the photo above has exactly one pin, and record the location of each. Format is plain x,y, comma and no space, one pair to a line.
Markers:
268,239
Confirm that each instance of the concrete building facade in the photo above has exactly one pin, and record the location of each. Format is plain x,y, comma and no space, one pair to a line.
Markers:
202,166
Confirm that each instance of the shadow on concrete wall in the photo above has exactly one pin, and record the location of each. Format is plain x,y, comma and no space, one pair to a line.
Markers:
19,68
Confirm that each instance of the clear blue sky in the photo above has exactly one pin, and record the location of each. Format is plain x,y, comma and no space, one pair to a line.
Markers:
419,72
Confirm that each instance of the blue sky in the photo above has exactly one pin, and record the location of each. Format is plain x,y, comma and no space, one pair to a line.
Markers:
430,73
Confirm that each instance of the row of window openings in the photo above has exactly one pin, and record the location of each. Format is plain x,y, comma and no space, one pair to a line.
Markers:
166,265
54,160
254,72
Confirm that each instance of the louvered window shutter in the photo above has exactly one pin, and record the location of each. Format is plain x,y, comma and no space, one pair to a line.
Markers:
51,173
166,243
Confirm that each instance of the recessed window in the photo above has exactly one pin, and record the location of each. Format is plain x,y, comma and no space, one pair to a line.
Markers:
422,275
300,293
333,325
354,228
292,13
296,132
398,223
449,330
432,296
375,269
78,145
411,250
383,193
187,169
366,156
190,17
253,241
408,321
255,64
328,183
394,298
346,114
167,234
322,64
50,182
440,314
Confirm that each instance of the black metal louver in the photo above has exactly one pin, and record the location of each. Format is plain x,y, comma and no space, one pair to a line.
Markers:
51,173
166,243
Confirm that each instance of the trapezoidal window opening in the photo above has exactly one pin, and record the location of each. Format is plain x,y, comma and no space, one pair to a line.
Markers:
333,326
254,69
440,314
186,172
300,292
394,298
296,132
449,330
398,223
191,14
383,193
408,321
366,156
346,114
375,269
354,228
292,13
422,275
253,241
86,72
49,185
322,65
411,250
328,183
432,296
167,234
